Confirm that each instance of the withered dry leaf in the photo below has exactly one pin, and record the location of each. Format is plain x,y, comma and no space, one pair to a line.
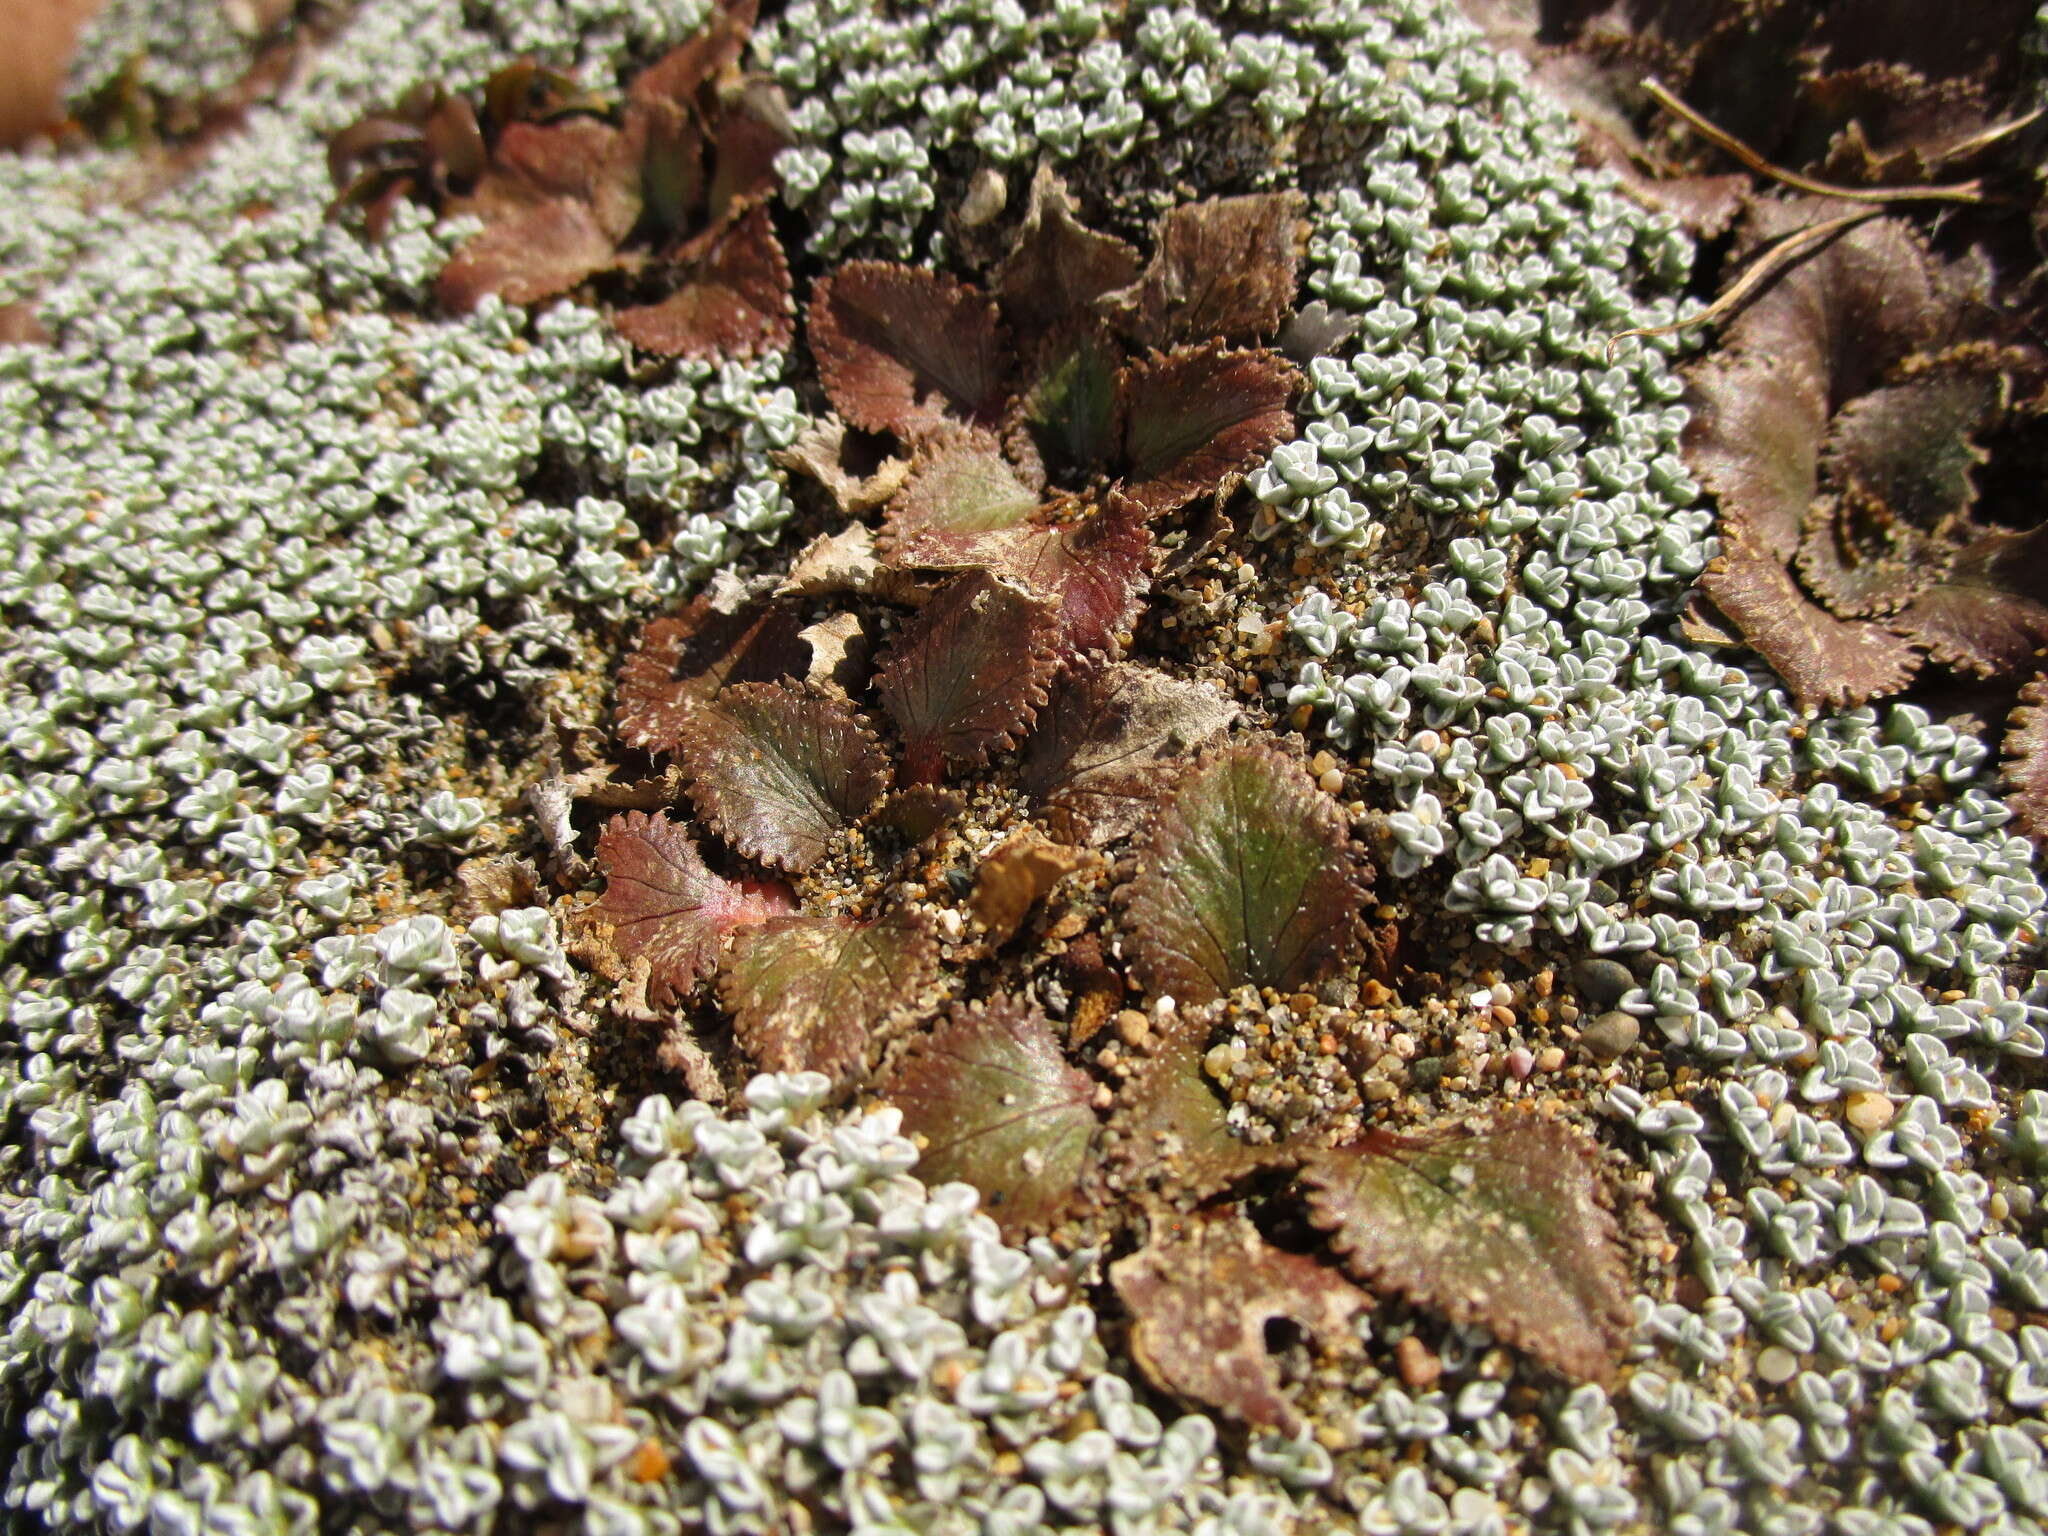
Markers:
807,994
1221,268
1012,879
1094,761
839,653
1250,879
683,660
1201,1294
1197,416
857,476
1058,267
903,350
1509,1229
967,673
992,1101
660,902
489,886
1169,1130
779,771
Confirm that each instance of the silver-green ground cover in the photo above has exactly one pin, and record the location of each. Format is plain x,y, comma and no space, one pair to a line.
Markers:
281,550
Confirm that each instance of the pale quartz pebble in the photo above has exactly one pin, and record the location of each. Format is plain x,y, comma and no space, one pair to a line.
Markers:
1551,1059
1776,1365
1868,1111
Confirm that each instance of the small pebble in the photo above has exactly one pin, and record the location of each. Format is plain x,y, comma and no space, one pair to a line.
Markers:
1603,982
1133,1027
1551,1058
1776,1365
1420,1366
1611,1036
1521,1061
1868,1111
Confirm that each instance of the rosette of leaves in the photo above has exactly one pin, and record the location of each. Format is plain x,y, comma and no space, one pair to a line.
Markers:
1050,417
669,190
1840,426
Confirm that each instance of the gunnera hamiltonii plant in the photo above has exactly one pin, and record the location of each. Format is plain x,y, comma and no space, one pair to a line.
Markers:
917,819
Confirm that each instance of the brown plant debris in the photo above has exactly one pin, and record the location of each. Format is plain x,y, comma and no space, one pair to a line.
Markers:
1200,1295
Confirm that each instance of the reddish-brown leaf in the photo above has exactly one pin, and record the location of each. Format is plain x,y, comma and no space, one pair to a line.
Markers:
1224,268
1822,659
1201,1294
1509,1229
1169,1131
1092,572
662,904
2026,760
543,249
779,771
683,661
1989,613
807,994
967,673
1058,267
961,489
1196,416
992,1100
903,350
732,298
1105,739
1250,879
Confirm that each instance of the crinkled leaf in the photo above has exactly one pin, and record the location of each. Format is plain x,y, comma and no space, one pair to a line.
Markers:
1754,439
1987,614
683,661
967,673
2026,760
1012,879
1196,416
808,993
1859,561
1058,266
732,298
856,472
1222,268
1508,1229
1092,572
1823,660
1907,447
993,1102
778,771
1169,1130
902,350
663,904
1094,759
913,814
961,488
1250,879
1201,1294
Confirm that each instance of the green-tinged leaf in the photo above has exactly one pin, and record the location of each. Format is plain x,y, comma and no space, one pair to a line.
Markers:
779,771
1195,417
683,660
1095,759
1058,267
1071,405
663,905
904,350
1223,268
1250,879
1200,1295
1509,1229
1169,1131
993,1102
807,994
961,488
968,673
